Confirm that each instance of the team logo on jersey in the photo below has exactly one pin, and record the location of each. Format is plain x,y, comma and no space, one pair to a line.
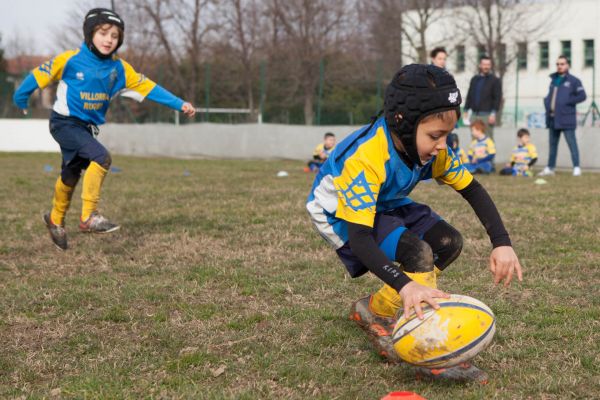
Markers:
567,83
79,75
359,195
46,67
453,97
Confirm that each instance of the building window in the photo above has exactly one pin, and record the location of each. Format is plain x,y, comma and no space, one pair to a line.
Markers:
460,58
588,53
522,55
565,49
544,55
481,52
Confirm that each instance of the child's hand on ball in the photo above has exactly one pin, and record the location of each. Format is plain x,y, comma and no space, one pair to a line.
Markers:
413,294
188,109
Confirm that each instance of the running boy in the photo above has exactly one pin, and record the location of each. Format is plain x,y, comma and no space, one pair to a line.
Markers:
522,157
482,150
88,79
359,204
322,152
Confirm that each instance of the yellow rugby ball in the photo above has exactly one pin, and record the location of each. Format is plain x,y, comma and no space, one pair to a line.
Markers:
457,332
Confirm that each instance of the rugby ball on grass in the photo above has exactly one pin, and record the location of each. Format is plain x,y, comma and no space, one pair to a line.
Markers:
457,332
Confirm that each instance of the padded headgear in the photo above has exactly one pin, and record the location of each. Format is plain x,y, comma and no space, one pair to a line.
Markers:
101,16
416,91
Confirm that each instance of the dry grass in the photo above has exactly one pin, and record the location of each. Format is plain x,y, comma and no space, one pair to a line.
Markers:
217,287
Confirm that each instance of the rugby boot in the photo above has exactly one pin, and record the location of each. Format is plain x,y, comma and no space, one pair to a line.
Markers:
97,223
57,233
378,329
464,372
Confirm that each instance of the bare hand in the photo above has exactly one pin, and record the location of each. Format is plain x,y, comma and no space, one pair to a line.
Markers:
188,109
503,264
492,119
413,294
25,111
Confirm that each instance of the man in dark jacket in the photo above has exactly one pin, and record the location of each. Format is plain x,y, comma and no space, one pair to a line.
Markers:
564,94
484,97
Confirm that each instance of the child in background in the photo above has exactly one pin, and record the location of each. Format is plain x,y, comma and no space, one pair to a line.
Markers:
89,78
321,152
482,150
453,143
523,156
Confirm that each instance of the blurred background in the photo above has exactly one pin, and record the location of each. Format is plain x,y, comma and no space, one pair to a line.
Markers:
318,62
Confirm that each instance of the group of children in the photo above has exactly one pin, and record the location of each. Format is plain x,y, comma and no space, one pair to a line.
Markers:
478,160
482,151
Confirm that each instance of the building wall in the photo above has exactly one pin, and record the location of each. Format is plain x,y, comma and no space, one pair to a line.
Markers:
254,141
574,20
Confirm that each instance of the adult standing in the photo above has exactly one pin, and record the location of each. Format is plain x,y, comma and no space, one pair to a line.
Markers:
563,95
438,57
484,96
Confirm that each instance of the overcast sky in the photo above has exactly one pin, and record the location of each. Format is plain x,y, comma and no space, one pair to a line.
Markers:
36,20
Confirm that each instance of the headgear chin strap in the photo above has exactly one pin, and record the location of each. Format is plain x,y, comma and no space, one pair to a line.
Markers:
416,91
101,16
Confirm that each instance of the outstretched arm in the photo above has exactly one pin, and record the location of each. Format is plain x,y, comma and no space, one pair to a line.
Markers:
21,96
162,96
138,87
504,263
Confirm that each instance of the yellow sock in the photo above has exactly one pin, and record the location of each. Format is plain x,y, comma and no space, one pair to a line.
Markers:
61,201
90,193
386,301
424,278
437,271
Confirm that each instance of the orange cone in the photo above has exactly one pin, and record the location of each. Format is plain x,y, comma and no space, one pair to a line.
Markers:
402,396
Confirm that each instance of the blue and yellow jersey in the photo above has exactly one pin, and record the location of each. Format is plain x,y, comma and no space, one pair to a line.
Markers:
86,85
482,150
522,155
364,175
462,156
321,149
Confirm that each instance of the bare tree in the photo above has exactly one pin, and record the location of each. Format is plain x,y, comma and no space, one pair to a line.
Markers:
385,21
245,28
496,25
179,27
311,31
418,17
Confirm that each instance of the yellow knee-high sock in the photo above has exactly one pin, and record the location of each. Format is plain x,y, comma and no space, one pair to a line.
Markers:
90,193
424,278
61,201
387,301
437,271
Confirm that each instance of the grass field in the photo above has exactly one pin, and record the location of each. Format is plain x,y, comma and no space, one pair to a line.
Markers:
217,287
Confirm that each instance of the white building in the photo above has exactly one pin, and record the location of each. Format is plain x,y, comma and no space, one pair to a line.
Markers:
570,27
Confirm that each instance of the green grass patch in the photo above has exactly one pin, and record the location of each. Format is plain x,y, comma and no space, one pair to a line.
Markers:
217,287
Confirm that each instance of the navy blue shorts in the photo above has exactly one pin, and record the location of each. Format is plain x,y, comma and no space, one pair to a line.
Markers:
388,227
77,143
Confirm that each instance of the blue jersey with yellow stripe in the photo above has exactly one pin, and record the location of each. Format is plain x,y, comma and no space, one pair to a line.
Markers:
364,175
86,85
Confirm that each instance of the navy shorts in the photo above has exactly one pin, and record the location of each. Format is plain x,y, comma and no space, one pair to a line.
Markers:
77,143
388,227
